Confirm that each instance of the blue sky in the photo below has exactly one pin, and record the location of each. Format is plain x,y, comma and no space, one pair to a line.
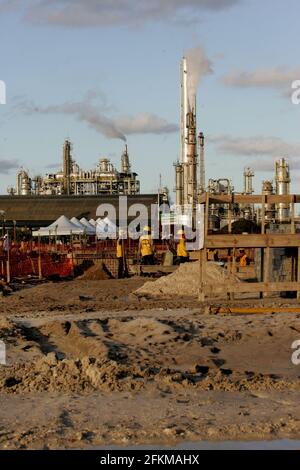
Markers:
126,54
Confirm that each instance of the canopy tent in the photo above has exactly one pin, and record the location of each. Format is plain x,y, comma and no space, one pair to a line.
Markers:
89,229
106,228
62,226
77,222
93,222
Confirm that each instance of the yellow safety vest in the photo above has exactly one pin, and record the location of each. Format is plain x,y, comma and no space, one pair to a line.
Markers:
119,249
243,261
181,250
146,245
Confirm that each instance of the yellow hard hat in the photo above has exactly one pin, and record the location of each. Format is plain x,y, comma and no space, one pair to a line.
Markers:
180,232
146,228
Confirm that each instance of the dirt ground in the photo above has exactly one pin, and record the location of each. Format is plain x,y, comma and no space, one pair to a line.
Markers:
90,364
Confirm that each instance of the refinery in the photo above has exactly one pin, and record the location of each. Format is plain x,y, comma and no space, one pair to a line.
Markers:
160,339
190,177
73,181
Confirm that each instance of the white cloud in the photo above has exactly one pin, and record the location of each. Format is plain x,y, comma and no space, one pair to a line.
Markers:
259,152
7,165
255,146
103,13
117,127
279,78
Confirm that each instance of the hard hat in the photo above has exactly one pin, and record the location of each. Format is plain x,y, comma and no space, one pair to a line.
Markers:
180,232
146,228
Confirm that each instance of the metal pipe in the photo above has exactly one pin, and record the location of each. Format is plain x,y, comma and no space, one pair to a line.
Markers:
202,163
179,183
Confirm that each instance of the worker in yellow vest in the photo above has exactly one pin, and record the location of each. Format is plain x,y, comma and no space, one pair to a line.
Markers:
182,254
122,268
146,246
244,260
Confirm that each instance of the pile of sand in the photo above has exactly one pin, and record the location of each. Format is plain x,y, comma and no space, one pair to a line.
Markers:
97,272
184,282
89,374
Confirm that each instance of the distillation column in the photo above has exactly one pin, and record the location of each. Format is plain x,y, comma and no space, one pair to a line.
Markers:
67,166
191,166
282,179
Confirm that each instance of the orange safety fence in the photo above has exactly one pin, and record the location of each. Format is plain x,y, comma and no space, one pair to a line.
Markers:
28,265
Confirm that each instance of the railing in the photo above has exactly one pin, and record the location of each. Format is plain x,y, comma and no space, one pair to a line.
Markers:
263,241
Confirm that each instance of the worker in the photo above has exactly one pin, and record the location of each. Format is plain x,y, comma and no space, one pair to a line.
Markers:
5,243
182,254
146,247
120,256
244,260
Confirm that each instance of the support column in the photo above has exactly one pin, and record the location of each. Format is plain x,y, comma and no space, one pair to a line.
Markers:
298,273
266,266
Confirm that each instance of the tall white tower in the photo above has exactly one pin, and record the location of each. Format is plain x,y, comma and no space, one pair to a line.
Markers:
184,110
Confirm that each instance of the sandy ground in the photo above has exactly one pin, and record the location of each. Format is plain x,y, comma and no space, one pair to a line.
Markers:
89,363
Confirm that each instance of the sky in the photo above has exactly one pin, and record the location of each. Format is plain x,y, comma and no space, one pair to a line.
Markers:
99,71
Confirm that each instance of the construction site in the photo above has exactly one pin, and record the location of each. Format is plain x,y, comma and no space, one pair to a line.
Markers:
168,328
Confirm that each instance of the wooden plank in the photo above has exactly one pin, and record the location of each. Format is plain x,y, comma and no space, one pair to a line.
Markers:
266,265
293,218
201,276
233,269
206,217
229,219
298,273
274,240
254,287
263,214
258,310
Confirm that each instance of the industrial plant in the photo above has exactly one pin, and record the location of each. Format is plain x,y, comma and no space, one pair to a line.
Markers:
190,180
73,181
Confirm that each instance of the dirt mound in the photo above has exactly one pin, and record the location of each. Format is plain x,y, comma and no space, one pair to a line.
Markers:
184,282
89,373
86,374
140,328
97,272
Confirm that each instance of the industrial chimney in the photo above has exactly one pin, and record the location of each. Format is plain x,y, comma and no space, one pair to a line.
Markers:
186,168
67,165
125,164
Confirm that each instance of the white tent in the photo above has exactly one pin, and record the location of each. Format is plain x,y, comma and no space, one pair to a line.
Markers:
77,222
106,228
62,226
92,222
89,229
